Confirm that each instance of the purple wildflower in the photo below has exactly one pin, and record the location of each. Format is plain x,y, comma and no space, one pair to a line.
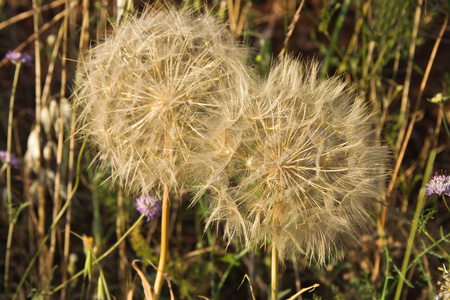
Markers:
16,57
149,206
14,160
439,184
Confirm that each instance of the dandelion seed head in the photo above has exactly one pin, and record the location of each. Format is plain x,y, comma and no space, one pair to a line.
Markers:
315,167
154,94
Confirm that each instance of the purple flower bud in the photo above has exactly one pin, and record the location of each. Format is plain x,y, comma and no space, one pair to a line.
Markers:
149,206
16,57
14,163
439,184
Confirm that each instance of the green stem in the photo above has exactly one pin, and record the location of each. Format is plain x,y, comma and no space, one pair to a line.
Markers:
444,119
415,223
8,176
334,37
437,243
96,261
233,263
96,223
387,276
445,202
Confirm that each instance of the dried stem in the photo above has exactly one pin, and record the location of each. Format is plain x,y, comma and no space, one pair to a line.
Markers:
164,227
57,198
164,242
41,30
419,206
29,13
274,273
291,29
41,174
416,108
84,32
55,221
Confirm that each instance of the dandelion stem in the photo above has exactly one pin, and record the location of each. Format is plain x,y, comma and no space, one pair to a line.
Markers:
164,242
274,285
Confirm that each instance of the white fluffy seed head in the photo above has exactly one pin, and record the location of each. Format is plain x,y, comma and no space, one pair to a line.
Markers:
305,173
154,93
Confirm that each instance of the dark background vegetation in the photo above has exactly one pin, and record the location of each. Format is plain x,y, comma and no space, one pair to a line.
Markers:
197,262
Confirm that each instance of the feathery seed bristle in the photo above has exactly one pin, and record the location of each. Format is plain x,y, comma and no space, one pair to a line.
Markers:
153,94
305,172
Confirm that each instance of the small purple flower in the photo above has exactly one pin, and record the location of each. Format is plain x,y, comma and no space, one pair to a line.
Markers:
439,184
14,163
149,206
16,57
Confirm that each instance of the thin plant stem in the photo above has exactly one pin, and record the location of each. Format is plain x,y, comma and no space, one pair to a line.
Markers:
286,17
436,243
96,215
29,13
407,82
8,174
227,272
214,294
354,38
65,258
231,18
335,35
414,226
84,34
416,109
291,29
310,289
97,260
387,277
120,240
214,291
69,208
164,242
43,270
445,202
56,194
51,67
274,273
55,221
120,228
164,227
8,255
444,119
44,28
